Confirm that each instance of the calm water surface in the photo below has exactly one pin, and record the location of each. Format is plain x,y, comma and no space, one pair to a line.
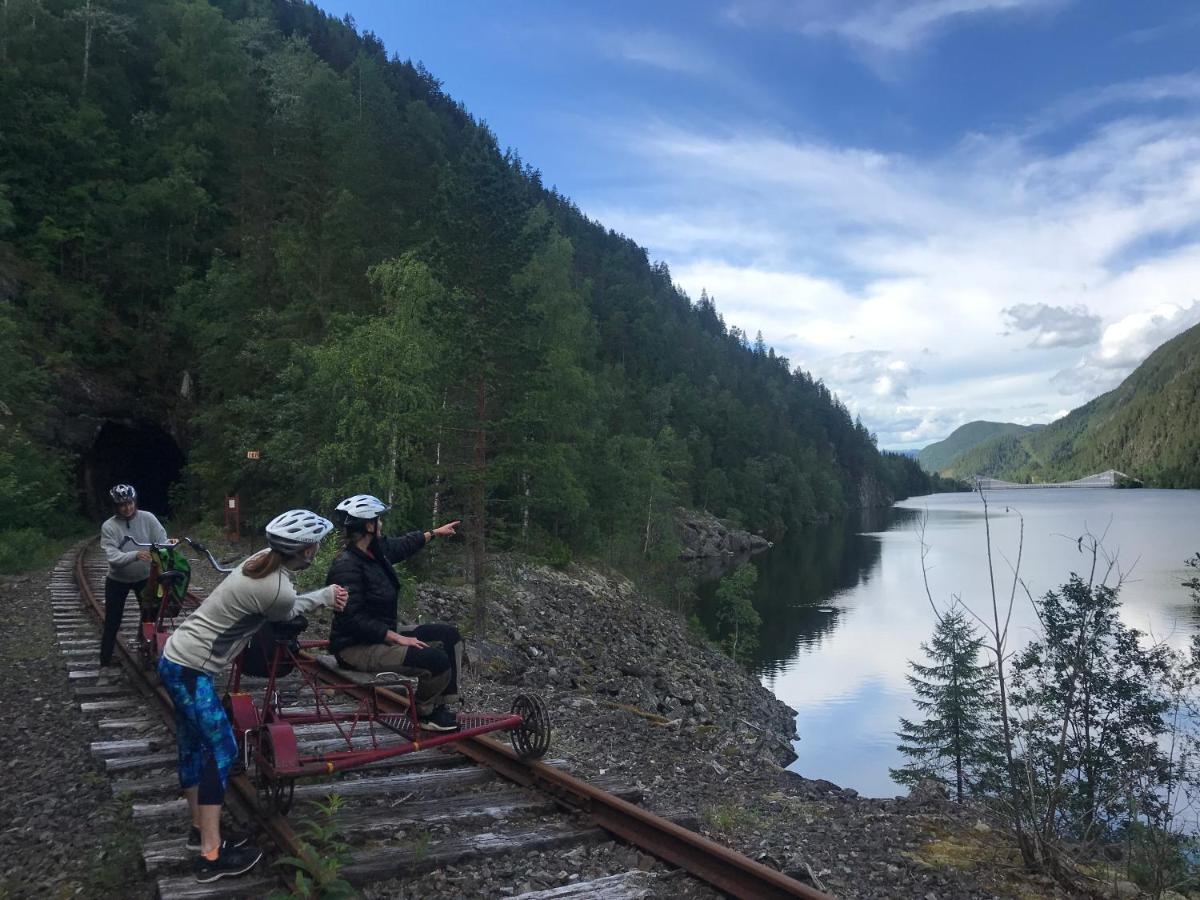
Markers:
844,609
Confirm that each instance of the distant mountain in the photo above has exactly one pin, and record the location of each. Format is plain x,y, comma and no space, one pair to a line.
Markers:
939,456
1148,427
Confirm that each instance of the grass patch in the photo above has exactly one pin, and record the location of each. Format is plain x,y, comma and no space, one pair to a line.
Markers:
654,718
28,549
728,817
116,869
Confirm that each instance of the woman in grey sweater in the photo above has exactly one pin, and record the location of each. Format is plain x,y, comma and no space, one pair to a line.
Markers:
258,590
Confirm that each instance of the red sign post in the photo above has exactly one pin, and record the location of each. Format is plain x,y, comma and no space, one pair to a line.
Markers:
233,518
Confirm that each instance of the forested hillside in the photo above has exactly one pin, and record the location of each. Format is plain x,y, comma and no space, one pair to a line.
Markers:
242,222
1148,427
938,456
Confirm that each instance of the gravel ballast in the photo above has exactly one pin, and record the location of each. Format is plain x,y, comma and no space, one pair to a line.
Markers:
64,835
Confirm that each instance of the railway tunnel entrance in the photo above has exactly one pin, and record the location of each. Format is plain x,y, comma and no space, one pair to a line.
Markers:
138,453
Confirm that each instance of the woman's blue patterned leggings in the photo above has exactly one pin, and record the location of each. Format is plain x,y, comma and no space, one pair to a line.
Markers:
207,748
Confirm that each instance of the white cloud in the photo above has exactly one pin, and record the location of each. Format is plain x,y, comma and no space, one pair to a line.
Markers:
656,50
1054,326
888,25
1125,344
874,370
834,251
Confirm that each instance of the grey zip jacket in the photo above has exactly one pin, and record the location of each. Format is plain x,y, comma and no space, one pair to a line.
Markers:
210,638
123,564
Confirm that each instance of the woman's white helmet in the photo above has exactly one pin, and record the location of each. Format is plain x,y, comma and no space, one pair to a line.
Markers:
293,531
359,509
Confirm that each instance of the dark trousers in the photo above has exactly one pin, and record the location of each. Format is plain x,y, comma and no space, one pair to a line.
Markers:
435,659
115,593
435,667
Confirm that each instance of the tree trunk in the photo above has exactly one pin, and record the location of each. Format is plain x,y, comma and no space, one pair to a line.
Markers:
649,510
393,457
1030,854
437,467
478,522
525,509
87,46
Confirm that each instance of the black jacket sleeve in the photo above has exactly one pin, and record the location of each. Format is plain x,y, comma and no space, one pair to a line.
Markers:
355,621
401,548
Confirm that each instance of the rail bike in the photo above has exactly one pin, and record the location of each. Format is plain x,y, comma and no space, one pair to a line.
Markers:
373,728
367,731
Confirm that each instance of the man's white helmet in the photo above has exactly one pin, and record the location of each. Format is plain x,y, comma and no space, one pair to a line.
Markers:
292,531
360,508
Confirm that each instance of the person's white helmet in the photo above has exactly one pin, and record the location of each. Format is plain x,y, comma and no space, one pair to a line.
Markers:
292,531
122,493
360,508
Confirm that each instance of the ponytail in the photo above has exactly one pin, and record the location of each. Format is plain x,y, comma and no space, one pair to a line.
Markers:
262,564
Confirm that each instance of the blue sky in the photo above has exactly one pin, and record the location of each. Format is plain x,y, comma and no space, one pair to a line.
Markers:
947,209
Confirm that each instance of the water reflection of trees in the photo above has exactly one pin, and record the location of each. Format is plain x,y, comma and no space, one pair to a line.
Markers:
800,578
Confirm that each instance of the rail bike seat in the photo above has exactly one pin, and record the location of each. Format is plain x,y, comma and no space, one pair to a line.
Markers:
366,679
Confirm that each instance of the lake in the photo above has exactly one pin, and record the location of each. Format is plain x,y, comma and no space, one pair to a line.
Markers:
844,607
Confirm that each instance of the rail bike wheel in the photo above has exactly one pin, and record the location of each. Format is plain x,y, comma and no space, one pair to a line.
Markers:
531,739
276,745
146,646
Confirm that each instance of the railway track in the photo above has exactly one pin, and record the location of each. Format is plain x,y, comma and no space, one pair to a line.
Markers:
440,810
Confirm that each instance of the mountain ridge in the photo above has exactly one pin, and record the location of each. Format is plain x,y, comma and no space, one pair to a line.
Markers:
939,455
1147,427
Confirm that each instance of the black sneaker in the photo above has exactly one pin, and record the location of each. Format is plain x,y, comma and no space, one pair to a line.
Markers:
441,719
230,837
229,861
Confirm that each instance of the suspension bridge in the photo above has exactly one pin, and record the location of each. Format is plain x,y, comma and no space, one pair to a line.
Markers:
1110,479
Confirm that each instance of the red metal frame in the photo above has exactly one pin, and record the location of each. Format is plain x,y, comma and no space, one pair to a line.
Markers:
153,634
265,731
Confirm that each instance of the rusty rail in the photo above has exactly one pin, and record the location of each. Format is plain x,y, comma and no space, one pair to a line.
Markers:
726,869
245,797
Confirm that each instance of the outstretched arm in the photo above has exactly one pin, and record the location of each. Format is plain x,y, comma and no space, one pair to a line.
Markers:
401,548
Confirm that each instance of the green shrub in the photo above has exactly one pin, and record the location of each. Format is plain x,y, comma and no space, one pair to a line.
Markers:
24,549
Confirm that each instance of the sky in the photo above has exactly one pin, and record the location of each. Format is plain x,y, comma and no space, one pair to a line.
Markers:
948,210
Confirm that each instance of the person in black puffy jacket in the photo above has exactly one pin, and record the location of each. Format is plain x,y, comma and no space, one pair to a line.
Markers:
365,635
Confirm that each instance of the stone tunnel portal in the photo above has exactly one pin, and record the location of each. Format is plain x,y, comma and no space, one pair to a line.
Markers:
140,454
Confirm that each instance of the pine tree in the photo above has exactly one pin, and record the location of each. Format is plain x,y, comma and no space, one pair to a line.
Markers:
953,691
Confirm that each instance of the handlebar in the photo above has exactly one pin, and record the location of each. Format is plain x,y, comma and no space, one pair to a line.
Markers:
196,545
129,539
171,542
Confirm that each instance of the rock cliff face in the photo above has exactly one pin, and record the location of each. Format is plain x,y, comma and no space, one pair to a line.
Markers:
708,541
872,494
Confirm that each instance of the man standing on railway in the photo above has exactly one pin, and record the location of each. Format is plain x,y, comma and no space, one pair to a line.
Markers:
127,569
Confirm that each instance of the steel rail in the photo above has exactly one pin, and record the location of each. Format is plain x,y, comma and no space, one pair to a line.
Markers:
724,868
245,795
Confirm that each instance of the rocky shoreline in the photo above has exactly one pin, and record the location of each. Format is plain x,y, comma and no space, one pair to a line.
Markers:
634,694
